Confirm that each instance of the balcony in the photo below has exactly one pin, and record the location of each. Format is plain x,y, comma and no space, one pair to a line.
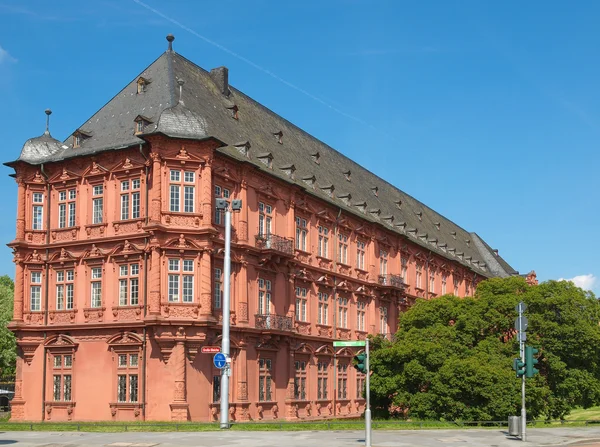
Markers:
274,322
390,280
276,243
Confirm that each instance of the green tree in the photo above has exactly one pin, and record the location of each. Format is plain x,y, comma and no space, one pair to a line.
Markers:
452,358
8,346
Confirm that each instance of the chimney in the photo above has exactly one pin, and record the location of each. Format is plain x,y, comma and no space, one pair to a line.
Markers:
220,77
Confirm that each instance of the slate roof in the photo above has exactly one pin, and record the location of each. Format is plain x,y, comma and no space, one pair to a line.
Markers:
297,157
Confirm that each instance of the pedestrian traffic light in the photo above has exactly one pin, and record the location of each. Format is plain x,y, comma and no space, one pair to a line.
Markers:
519,367
360,362
530,362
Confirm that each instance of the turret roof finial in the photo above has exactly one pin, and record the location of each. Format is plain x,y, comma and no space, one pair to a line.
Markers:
170,39
48,113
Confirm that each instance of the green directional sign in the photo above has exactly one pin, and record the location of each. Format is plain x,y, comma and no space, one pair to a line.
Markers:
344,343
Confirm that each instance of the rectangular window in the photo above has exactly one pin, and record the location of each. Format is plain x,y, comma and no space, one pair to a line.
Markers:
301,233
300,380
122,360
444,281
133,388
265,219
96,299
418,276
216,388
360,255
264,380
35,296
343,248
135,205
218,298
98,205
361,312
68,361
301,303
64,289
323,309
122,388
342,391
124,206
343,312
176,187
38,217
66,209
431,282
130,199
181,281
264,296
129,284
456,286
322,376
360,387
404,269
323,245
56,387
383,320
67,387
383,262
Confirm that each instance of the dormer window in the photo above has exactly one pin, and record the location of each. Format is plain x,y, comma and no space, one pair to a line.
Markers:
401,225
375,212
328,189
79,137
347,175
419,214
289,170
375,191
437,225
310,181
278,136
141,85
140,124
345,198
243,148
234,111
266,159
315,157
362,206
398,204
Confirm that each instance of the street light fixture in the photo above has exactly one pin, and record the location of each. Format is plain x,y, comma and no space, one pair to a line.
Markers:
223,205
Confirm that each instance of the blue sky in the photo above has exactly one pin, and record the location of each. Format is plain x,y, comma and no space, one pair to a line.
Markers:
485,111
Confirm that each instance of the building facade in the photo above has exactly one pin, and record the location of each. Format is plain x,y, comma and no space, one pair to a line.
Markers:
119,259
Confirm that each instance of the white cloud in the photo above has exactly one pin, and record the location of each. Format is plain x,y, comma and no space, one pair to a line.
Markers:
586,282
5,56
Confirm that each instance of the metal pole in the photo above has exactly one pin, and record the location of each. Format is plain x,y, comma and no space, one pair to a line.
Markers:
224,418
368,409
523,411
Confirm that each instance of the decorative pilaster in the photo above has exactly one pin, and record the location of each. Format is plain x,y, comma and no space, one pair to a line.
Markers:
20,209
179,406
207,193
18,403
205,285
243,226
243,292
291,296
242,375
19,290
154,295
156,187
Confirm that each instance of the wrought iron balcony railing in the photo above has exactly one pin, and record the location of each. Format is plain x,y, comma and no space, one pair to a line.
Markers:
391,281
274,322
276,243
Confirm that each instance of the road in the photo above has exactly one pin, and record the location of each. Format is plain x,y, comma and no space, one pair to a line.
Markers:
580,437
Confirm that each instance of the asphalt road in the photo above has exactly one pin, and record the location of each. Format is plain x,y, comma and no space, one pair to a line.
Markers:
414,438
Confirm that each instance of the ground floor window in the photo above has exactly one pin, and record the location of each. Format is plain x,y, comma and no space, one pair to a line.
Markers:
127,388
216,388
300,380
264,380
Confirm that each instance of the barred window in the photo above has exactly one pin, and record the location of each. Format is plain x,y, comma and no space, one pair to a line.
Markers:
300,380
322,378
342,369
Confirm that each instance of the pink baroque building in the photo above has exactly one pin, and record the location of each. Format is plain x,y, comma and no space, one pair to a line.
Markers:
119,259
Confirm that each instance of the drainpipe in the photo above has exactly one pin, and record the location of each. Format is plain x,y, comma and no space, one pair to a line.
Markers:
427,275
335,255
145,298
47,284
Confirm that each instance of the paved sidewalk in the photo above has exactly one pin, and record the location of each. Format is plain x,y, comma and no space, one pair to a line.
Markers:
397,438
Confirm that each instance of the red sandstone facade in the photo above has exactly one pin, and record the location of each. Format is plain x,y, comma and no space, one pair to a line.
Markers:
116,291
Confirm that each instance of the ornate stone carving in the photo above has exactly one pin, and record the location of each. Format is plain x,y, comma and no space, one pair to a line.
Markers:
243,311
128,313
67,234
33,317
95,231
92,314
243,390
343,334
302,328
182,221
242,231
181,311
127,227
62,316
35,238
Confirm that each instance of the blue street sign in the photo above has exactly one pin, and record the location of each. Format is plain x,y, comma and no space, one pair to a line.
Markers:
220,360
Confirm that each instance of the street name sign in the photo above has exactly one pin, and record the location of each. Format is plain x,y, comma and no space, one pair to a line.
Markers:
210,349
344,343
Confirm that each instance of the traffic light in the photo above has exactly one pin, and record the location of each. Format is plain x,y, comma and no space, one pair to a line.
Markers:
360,362
530,362
519,367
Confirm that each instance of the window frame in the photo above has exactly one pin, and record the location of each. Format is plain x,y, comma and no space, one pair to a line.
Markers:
323,242
265,379
65,281
301,233
131,280
182,185
35,285
184,275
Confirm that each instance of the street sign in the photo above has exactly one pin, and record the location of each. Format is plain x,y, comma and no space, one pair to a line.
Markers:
341,344
521,307
210,349
521,324
220,360
522,336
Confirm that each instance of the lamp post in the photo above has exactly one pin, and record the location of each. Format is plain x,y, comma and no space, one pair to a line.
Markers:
223,205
